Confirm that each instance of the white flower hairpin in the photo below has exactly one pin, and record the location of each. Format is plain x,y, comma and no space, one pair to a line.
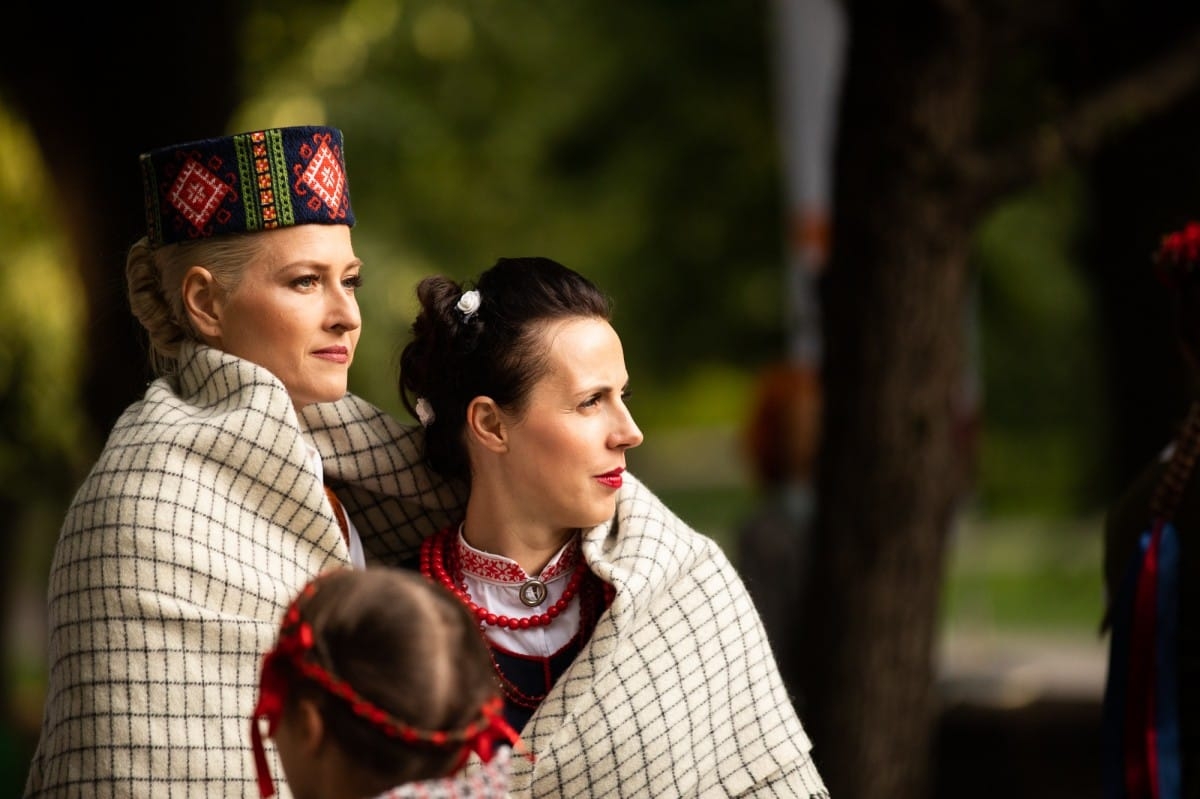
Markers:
468,304
425,414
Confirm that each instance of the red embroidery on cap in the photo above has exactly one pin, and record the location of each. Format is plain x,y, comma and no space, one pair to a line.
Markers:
325,177
197,193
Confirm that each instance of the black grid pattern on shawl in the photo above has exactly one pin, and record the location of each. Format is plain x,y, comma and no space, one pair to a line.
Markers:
376,466
677,693
197,525
166,590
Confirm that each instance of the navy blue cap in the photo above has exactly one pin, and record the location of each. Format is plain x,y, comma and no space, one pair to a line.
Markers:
246,182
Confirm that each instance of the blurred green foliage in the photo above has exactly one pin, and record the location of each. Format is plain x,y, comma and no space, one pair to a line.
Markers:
477,129
480,129
41,311
1025,572
1045,411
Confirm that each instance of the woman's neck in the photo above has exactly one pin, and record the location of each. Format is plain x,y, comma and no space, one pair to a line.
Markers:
531,547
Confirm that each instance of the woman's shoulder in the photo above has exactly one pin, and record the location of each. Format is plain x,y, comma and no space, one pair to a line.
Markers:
172,437
208,423
355,421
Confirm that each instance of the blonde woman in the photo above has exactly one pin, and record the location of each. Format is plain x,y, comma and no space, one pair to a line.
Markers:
230,483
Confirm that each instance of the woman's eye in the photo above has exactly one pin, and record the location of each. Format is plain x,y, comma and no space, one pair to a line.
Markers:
353,282
306,282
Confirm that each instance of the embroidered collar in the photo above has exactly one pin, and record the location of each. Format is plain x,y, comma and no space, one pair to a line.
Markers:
499,569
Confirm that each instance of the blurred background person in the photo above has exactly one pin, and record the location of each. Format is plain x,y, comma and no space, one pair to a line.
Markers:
1151,566
780,442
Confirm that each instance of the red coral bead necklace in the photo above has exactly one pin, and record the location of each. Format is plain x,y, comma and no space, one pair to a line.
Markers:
436,553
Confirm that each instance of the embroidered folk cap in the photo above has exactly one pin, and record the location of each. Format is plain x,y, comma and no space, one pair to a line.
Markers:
258,180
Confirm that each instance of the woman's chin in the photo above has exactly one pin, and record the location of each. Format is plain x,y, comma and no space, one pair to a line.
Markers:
602,513
316,395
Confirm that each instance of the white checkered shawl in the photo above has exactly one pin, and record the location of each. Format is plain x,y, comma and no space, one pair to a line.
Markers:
677,692
198,524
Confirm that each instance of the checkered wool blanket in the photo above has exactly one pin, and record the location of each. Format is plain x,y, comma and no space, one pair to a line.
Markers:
201,520
197,525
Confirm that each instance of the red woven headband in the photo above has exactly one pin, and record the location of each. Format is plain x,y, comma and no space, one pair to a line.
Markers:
295,646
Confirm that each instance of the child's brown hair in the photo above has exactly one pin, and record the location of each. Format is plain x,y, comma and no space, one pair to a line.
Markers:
401,676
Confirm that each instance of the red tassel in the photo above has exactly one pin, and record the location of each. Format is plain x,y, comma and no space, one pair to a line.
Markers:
1140,768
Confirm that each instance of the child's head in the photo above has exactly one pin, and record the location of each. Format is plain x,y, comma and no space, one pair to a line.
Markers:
378,678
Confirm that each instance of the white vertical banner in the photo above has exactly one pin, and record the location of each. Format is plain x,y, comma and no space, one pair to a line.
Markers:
810,41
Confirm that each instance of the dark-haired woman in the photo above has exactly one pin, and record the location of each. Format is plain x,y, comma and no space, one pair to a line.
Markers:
631,657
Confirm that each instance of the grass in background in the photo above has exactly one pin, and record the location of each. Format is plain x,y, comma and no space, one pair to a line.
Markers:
1025,575
1018,574
717,512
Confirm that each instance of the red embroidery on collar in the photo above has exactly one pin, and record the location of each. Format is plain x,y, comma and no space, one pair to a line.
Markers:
500,569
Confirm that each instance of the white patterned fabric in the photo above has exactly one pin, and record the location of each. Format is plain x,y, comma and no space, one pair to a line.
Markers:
494,582
198,524
677,692
480,781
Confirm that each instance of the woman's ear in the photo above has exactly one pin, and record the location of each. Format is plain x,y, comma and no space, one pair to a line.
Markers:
200,303
485,424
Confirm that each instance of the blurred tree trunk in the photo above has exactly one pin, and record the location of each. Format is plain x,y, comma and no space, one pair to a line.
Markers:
98,86
913,179
890,477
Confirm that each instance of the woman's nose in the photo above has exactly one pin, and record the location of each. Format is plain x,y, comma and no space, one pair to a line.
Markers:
345,312
628,434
